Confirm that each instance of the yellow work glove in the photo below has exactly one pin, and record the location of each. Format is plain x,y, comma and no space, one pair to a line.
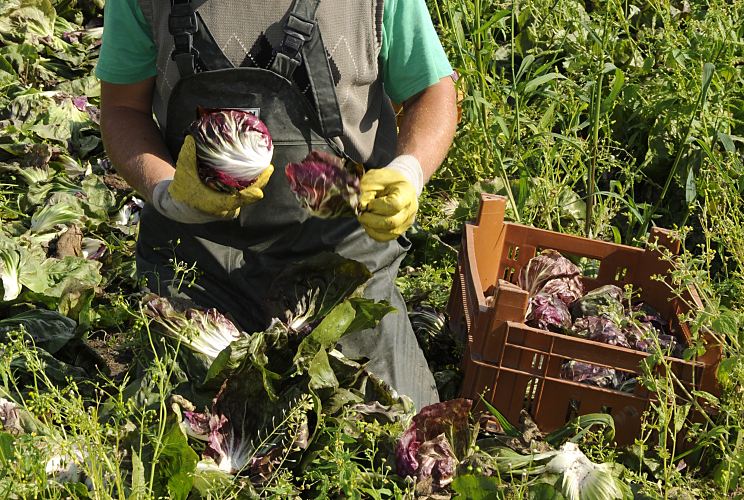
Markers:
389,198
186,199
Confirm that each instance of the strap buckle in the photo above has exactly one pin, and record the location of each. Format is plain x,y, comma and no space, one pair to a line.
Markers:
297,31
292,45
184,44
182,24
182,19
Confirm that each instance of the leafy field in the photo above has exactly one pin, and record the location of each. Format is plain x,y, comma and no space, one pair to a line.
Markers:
593,118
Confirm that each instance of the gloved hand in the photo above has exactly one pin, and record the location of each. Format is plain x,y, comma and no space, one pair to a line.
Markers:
389,198
187,200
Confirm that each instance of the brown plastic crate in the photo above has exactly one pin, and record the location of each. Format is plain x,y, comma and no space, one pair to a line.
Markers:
518,367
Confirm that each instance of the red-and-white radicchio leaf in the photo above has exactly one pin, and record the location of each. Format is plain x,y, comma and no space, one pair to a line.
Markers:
324,186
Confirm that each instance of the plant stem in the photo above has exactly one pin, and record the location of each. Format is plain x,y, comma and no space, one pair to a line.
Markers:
678,158
596,119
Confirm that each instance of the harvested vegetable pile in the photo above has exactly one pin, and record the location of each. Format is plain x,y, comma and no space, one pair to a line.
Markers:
559,303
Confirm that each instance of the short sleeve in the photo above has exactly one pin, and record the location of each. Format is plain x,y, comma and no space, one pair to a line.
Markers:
128,53
411,57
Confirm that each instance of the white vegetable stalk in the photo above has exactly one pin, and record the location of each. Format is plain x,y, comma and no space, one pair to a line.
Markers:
580,477
10,263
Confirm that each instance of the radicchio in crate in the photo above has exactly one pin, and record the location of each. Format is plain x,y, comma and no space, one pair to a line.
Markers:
524,351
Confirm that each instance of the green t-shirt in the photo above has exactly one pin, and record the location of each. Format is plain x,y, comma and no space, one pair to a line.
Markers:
411,57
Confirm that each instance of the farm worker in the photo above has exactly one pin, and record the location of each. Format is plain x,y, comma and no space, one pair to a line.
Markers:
331,92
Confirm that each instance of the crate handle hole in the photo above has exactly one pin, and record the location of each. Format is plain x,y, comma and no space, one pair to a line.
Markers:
529,394
509,274
537,361
513,253
621,273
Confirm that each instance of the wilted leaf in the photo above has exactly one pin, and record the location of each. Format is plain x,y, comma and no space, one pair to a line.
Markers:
48,329
306,291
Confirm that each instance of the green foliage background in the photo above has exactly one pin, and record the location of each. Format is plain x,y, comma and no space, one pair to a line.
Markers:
596,118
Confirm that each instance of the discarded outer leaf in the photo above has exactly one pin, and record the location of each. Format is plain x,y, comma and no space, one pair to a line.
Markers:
49,330
325,335
321,373
10,263
176,464
306,291
206,331
414,457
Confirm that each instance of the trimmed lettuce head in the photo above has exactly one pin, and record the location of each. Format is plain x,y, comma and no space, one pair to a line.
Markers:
605,300
586,373
601,329
233,147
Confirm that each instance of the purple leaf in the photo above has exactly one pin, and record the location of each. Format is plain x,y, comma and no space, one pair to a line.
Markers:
203,330
437,461
80,102
406,452
548,312
590,374
567,289
324,187
427,449
647,314
601,329
551,265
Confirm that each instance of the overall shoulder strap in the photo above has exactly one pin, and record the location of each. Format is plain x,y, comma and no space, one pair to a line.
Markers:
196,50
303,44
194,46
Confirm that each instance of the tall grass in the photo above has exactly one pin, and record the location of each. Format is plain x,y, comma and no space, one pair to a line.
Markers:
602,102
636,110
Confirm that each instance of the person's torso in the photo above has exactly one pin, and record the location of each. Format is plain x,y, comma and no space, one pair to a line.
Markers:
249,33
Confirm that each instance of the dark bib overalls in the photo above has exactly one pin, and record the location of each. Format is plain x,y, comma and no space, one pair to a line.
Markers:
237,260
